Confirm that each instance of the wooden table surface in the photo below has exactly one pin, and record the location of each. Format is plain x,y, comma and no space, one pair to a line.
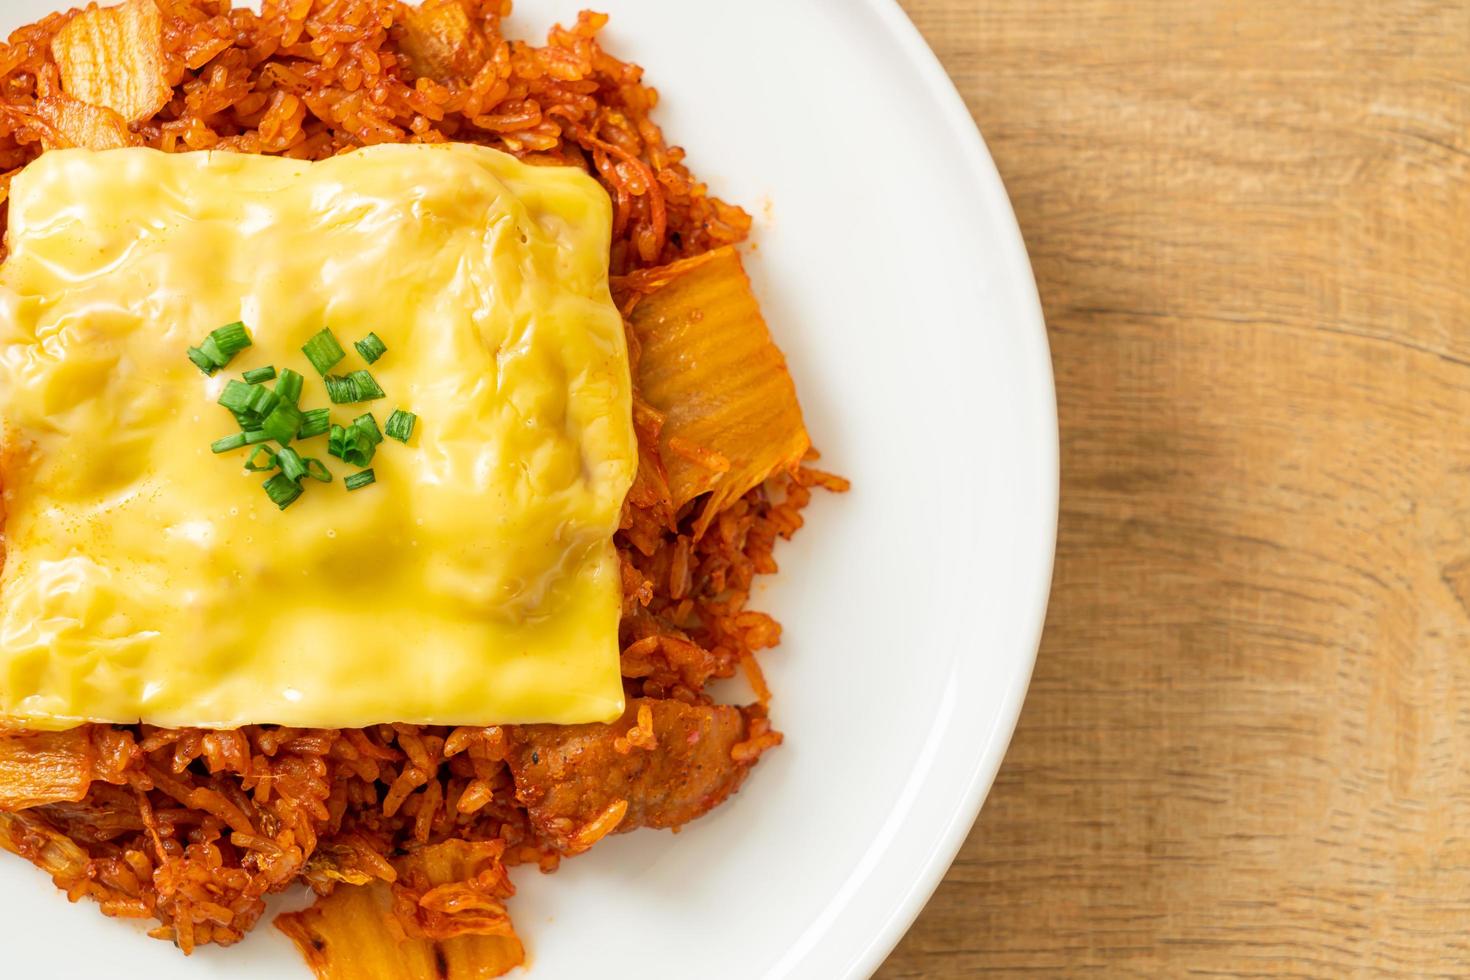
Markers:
1246,750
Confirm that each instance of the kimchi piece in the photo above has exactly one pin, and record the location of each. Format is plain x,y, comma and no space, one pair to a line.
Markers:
65,122
113,58
707,363
355,935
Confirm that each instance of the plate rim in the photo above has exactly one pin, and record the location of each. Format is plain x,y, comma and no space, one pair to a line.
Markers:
988,186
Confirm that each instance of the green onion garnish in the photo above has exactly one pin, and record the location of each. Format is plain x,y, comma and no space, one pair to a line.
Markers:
349,444
262,460
338,441
282,490
314,423
273,414
360,450
289,387
359,386
323,351
236,396
260,401
202,361
369,428
400,425
231,339
220,346
227,443
292,467
367,388
341,390
283,422
359,480
211,350
371,348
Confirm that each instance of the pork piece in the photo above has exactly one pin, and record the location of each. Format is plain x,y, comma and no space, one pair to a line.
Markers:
579,786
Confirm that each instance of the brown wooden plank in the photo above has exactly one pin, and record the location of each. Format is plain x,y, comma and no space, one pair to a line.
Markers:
1245,748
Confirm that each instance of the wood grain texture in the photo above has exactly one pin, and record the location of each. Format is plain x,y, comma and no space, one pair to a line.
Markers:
1246,751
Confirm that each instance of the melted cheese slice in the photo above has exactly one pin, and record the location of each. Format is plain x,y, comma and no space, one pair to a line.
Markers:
147,579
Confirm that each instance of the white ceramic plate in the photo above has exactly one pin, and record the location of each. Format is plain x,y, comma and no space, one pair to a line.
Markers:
892,272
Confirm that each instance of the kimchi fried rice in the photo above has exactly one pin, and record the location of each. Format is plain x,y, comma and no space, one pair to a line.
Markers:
416,825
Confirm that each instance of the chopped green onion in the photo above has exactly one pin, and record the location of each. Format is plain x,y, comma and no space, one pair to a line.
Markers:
289,387
260,400
367,388
400,425
369,428
341,390
262,460
359,386
323,351
371,348
291,465
202,361
282,423
314,423
236,396
211,350
221,345
361,453
273,414
349,444
228,443
359,480
230,339
282,490
339,439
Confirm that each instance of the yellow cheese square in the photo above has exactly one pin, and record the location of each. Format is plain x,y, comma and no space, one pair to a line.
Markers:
146,578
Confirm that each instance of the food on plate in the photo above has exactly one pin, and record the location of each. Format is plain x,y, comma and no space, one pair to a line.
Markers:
391,436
